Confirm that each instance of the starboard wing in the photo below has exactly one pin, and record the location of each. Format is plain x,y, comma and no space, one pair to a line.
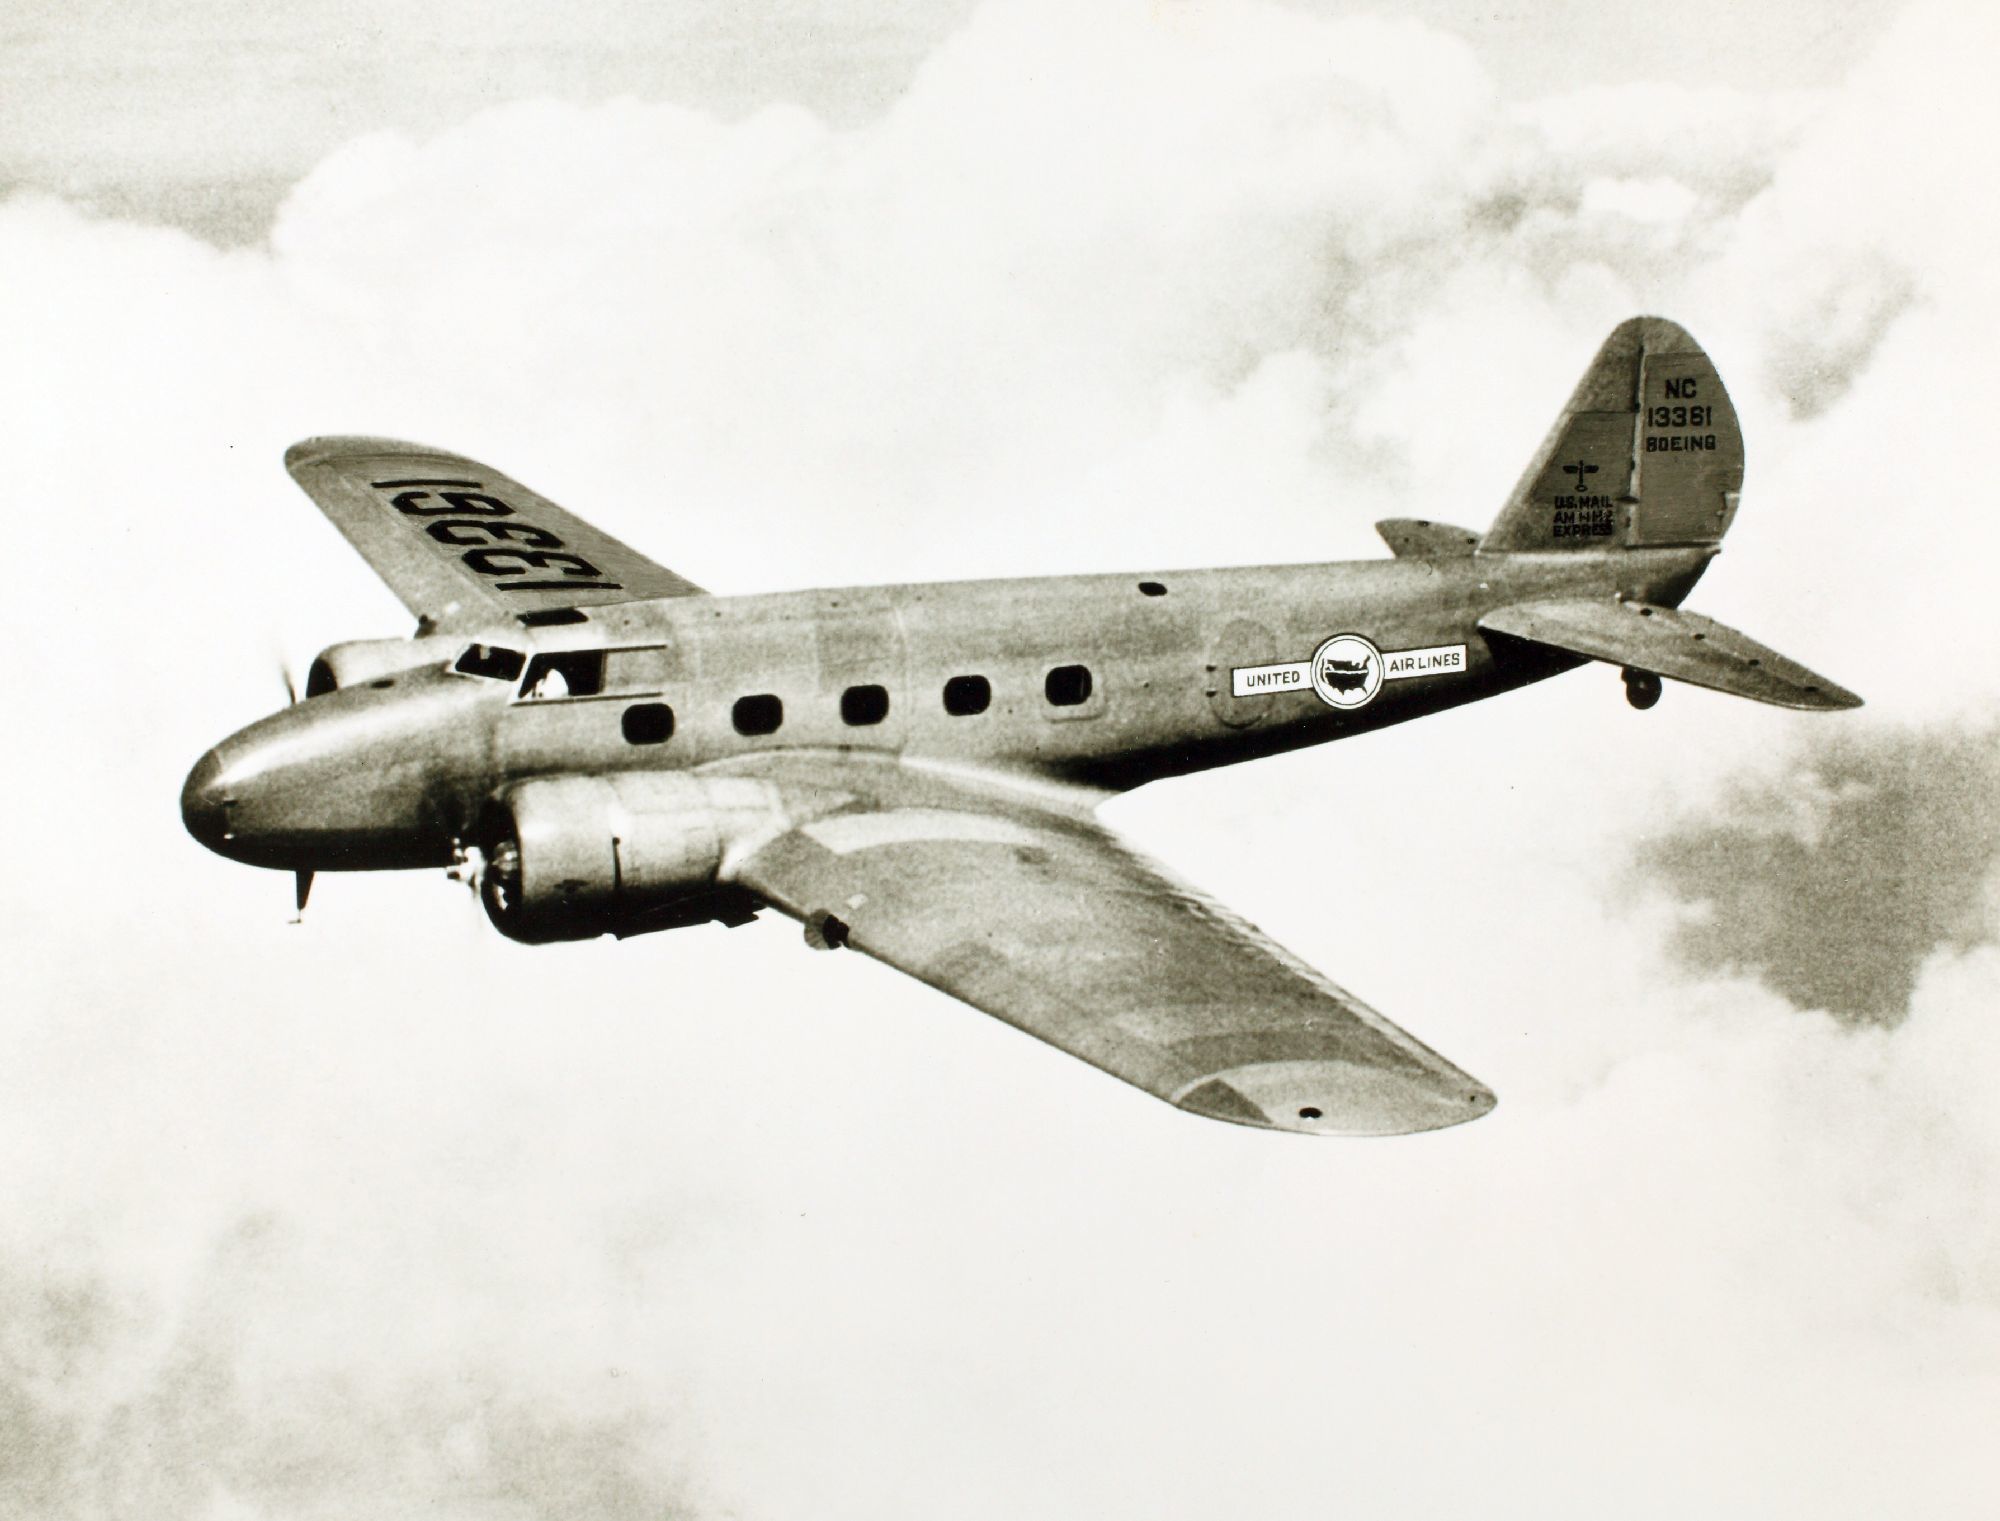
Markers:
460,544
1045,920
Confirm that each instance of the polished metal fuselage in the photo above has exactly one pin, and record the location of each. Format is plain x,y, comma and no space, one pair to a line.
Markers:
393,772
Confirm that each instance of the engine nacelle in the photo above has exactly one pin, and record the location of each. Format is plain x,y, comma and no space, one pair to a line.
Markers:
572,857
362,660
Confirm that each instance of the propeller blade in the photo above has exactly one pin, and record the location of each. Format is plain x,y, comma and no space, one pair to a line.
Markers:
283,662
468,864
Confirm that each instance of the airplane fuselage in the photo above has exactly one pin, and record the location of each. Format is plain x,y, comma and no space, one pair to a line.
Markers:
1102,682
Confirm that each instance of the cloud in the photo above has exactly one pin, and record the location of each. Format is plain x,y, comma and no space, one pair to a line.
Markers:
214,1419
1837,878
382,1212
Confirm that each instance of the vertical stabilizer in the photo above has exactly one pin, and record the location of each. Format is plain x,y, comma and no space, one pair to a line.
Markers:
1647,453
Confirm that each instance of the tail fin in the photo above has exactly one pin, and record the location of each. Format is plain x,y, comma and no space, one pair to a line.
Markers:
1647,453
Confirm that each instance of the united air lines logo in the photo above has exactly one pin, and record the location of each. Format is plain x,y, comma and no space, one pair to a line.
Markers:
1346,671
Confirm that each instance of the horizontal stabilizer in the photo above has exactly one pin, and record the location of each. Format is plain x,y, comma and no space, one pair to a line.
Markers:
1421,539
1669,642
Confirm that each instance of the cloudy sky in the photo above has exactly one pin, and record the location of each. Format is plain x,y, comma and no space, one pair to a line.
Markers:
380,1214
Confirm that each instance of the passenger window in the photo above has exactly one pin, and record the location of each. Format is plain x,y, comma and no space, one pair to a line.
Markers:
967,695
863,706
1067,686
564,673
758,714
648,723
493,660
649,668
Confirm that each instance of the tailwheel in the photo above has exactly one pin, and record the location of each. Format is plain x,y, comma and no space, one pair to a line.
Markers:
1642,688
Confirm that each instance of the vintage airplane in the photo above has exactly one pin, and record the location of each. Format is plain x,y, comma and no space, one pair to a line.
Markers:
912,771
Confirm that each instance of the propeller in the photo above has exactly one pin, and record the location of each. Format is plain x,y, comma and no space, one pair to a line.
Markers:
302,881
490,878
469,865
284,665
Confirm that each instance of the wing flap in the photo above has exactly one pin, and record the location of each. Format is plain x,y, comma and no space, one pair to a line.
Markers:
1670,642
460,544
1049,923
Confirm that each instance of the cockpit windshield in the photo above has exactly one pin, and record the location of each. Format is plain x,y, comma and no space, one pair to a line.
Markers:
564,673
496,661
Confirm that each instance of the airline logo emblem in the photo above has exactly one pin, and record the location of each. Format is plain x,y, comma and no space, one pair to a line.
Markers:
1347,671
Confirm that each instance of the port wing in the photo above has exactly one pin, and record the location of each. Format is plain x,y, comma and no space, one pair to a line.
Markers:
461,545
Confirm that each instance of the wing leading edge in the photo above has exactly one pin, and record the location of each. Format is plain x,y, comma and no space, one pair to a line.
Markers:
1048,922
460,544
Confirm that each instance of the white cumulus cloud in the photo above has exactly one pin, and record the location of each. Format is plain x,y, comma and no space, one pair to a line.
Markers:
382,1214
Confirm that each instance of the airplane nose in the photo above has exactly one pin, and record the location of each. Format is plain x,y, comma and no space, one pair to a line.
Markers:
203,808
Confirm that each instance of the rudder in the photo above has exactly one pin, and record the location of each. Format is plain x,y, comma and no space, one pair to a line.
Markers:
1647,453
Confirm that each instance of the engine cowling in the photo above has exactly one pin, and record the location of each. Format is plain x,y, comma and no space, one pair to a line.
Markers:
359,660
573,857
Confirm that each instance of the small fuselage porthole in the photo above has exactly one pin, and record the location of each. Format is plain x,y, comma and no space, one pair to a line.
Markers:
1067,686
759,713
967,695
863,706
647,723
